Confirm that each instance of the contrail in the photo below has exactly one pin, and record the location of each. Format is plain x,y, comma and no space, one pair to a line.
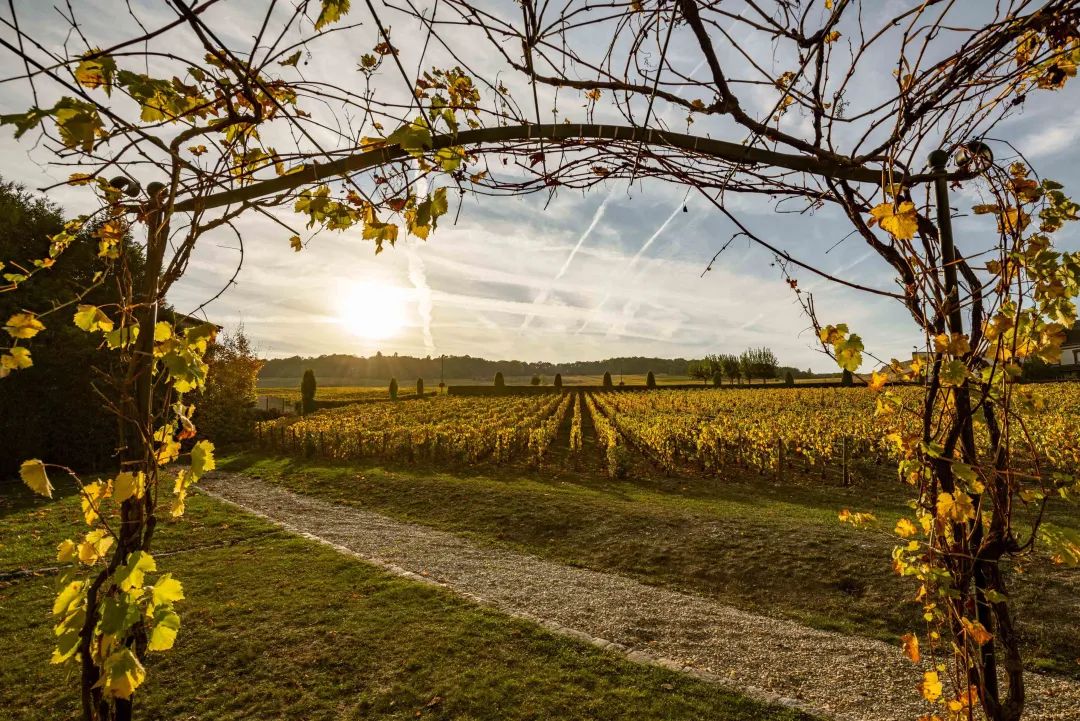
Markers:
418,274
418,277
546,292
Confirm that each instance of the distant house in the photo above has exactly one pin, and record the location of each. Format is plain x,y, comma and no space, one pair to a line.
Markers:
1070,353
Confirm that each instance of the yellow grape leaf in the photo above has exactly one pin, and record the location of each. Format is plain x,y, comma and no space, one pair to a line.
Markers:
163,331
68,597
167,590
910,644
92,495
905,528
900,221
33,474
296,244
956,508
130,576
166,626
121,673
95,546
23,325
15,359
930,686
877,381
65,551
128,485
91,318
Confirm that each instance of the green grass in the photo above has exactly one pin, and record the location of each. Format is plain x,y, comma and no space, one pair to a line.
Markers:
747,540
278,627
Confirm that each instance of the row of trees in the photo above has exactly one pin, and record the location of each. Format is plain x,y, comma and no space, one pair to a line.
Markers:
750,364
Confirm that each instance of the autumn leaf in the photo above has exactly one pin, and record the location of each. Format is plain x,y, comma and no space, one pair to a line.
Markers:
167,590
96,72
15,359
23,325
128,485
121,673
910,643
33,474
930,686
976,631
296,244
91,318
877,381
905,529
957,508
899,221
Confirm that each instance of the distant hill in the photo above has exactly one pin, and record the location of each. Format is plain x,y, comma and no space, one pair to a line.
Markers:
350,369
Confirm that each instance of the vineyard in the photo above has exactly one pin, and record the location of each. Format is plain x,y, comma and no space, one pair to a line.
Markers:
679,431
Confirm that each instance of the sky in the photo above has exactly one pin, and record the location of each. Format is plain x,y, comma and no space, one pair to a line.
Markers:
617,271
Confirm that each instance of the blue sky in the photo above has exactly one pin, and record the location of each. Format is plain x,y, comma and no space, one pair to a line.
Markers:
613,272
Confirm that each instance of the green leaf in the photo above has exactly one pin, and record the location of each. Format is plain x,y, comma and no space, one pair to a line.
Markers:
413,138
25,121
291,61
130,576
953,373
118,614
33,474
78,122
331,12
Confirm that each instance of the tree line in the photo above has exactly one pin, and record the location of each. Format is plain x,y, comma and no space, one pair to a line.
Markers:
342,367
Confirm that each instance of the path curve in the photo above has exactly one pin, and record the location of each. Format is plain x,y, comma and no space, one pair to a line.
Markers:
766,658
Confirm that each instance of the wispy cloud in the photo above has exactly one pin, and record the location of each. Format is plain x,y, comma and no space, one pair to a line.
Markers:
546,292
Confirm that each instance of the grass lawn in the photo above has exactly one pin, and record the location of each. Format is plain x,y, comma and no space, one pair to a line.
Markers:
748,541
278,627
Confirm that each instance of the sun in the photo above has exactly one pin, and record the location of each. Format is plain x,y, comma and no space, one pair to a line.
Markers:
373,310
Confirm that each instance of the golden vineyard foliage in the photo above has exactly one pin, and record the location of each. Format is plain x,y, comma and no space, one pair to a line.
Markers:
444,428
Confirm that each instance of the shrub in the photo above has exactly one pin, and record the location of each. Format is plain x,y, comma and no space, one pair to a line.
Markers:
718,379
847,380
558,380
535,380
393,389
307,392
789,380
650,380
419,387
224,409
499,382
607,380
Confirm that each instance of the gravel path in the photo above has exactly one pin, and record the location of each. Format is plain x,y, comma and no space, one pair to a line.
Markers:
766,658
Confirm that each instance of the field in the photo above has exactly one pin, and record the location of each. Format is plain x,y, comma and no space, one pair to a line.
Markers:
706,492
779,430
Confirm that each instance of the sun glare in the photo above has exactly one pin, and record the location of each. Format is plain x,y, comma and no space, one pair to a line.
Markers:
373,310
